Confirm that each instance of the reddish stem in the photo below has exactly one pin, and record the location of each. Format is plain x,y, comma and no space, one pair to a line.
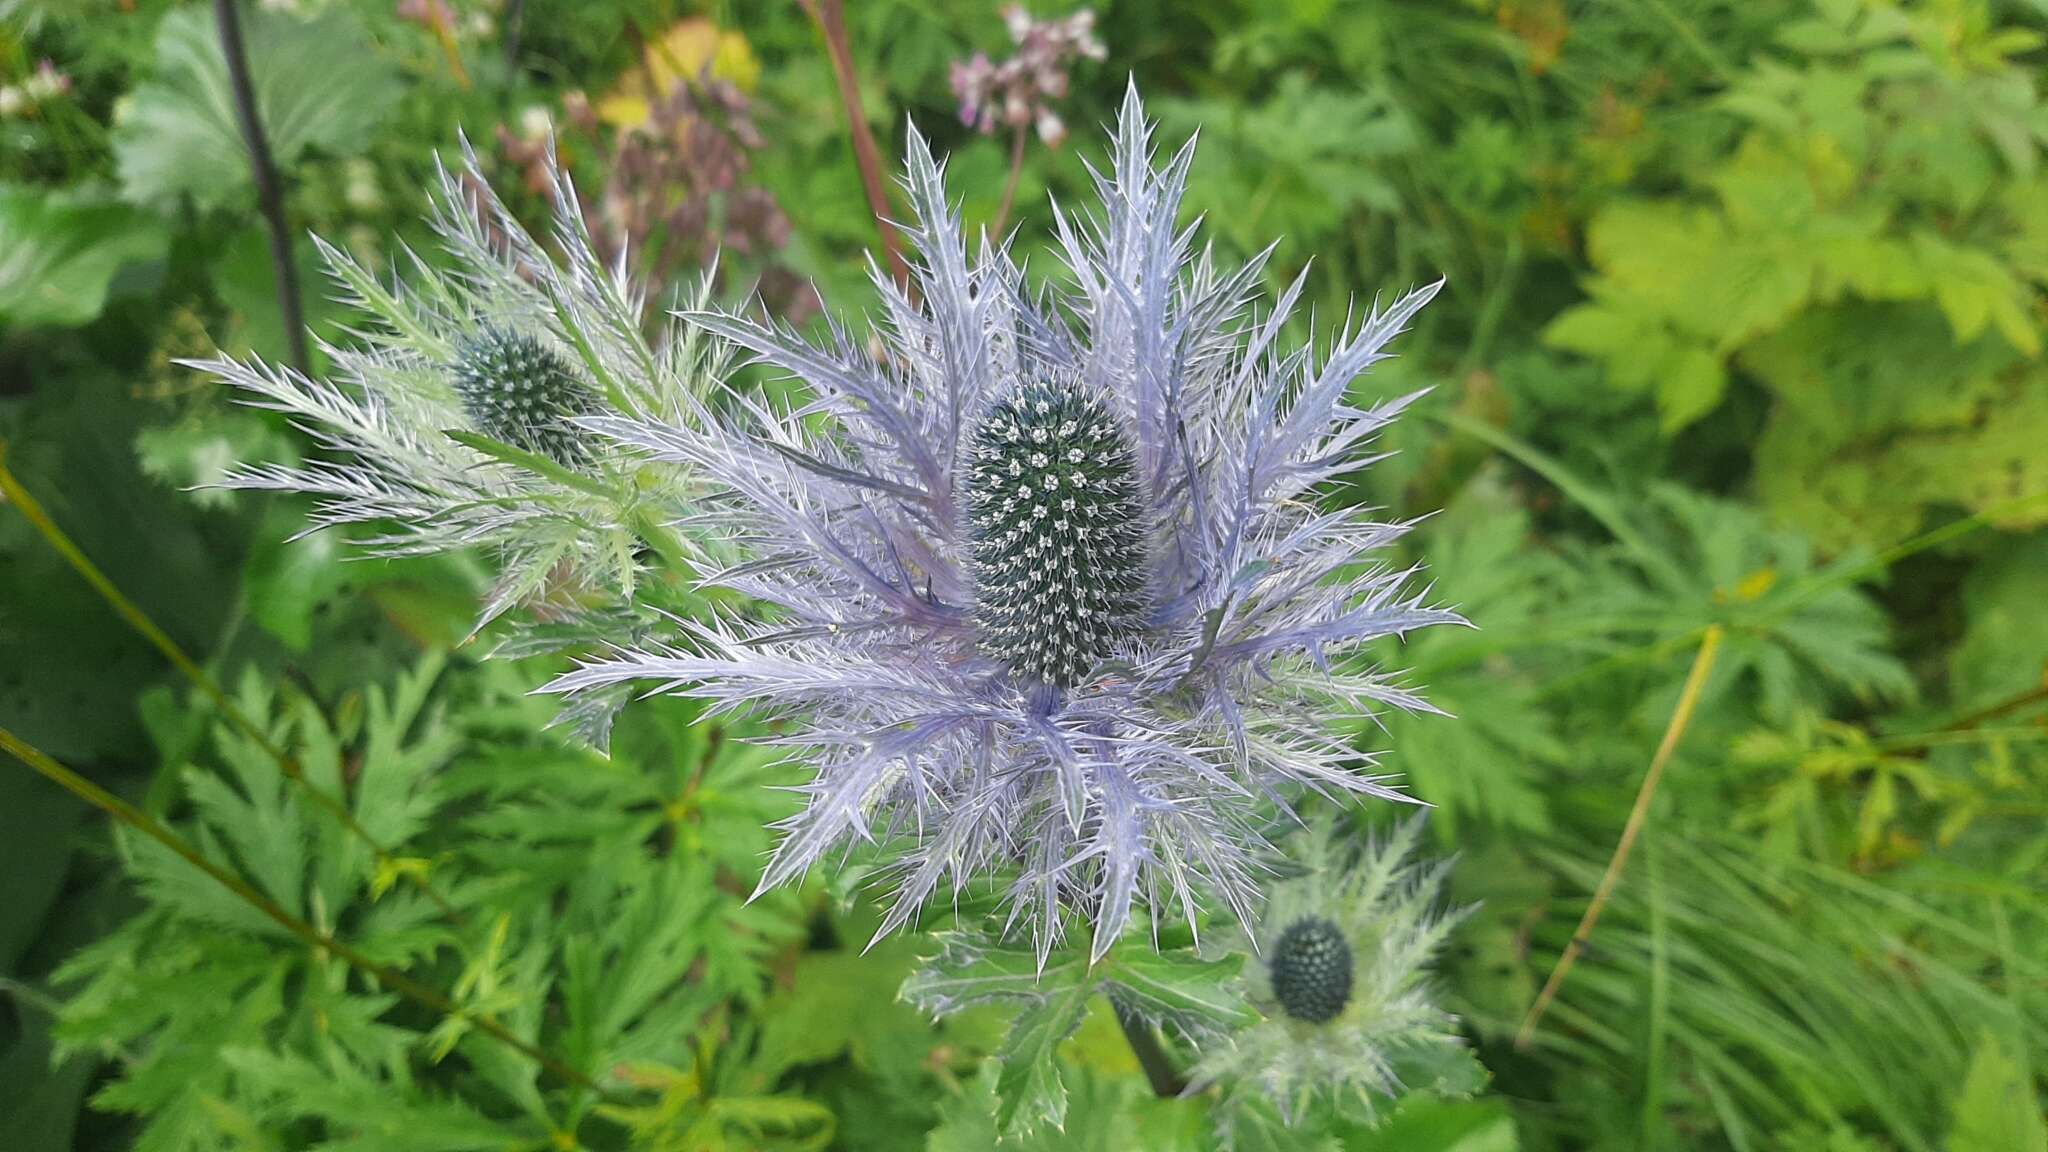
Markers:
831,19
1010,186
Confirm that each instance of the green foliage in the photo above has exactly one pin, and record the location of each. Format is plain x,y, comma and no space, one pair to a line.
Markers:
59,254
1304,157
1864,253
586,918
1996,1109
318,84
1743,328
1174,988
1103,1114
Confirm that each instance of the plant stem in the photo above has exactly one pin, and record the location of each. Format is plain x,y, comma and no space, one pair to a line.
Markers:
1002,219
515,23
1681,718
33,511
2003,708
391,978
830,16
450,50
1166,1082
269,197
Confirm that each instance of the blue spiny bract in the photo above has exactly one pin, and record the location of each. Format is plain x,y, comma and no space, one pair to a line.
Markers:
1312,970
1058,533
516,389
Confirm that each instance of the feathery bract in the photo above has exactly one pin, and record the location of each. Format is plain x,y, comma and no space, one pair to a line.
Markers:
448,420
1343,978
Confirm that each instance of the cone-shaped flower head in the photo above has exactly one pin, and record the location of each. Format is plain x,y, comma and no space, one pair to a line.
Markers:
1342,973
1056,538
517,389
1311,969
1053,595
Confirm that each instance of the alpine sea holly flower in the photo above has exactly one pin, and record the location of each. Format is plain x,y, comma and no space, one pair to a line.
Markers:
449,421
1051,593
1342,976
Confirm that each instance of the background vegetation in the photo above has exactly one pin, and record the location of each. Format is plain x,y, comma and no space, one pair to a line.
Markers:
1743,338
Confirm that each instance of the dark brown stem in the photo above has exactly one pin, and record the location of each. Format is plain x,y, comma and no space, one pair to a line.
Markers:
831,19
1166,1081
1010,186
269,196
2002,708
515,21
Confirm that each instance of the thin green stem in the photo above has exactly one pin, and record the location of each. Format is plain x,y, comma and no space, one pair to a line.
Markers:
38,517
1681,719
391,978
1841,574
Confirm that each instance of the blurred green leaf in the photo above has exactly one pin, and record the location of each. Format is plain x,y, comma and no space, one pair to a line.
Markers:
1997,1110
319,84
247,282
59,253
2004,648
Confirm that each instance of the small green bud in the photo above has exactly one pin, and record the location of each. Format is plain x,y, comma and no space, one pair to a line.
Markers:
1059,533
1311,969
516,389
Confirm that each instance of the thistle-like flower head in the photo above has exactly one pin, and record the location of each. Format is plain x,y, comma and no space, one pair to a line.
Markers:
448,421
1342,976
1052,593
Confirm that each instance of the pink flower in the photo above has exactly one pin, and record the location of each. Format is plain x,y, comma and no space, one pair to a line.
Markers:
1019,92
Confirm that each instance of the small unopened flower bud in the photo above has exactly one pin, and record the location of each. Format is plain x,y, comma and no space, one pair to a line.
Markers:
1311,968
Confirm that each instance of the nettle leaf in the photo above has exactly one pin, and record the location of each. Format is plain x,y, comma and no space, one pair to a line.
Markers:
1029,1089
59,254
1173,987
319,85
